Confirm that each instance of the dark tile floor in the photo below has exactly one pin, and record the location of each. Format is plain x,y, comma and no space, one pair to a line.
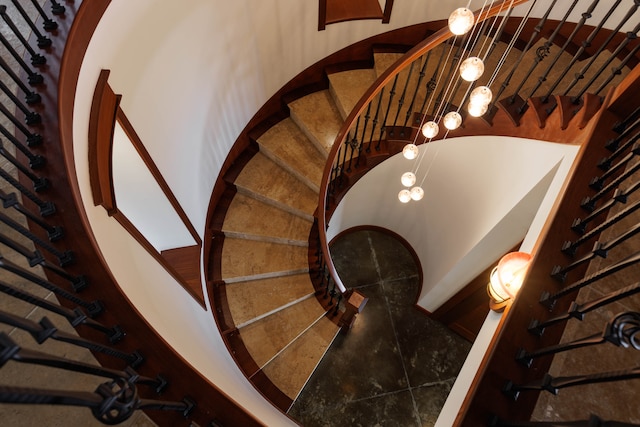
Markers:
396,366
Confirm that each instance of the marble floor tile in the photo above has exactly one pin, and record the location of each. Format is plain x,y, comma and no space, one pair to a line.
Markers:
395,367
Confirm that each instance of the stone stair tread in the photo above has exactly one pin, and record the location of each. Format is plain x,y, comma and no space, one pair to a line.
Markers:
268,336
384,60
251,218
288,146
268,182
246,259
251,299
347,87
318,117
293,367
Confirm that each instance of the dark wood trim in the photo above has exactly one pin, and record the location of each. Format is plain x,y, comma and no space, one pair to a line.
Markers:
322,15
352,10
386,15
102,122
192,288
157,175
104,114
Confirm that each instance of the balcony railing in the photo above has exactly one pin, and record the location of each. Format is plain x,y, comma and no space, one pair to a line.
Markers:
424,86
48,263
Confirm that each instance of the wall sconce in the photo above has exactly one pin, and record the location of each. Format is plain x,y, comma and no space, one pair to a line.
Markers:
506,279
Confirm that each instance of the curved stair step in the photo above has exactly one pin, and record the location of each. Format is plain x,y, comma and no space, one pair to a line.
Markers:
266,338
252,219
347,87
264,180
286,145
253,300
251,259
319,119
293,367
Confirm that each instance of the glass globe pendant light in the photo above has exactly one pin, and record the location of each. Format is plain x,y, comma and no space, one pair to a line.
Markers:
417,193
410,151
404,196
461,21
452,120
481,95
408,179
477,110
471,69
430,129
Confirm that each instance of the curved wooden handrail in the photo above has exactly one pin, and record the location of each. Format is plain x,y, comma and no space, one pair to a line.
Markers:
401,64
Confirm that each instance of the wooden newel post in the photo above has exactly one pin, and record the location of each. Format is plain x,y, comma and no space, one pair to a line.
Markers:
354,305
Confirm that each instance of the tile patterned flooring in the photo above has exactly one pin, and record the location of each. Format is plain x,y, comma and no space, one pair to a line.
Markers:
396,366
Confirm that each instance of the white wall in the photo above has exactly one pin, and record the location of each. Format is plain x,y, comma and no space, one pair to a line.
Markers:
476,206
192,73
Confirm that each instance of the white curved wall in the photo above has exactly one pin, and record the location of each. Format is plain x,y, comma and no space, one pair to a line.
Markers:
476,206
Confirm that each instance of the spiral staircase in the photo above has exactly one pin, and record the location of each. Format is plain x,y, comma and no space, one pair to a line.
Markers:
275,310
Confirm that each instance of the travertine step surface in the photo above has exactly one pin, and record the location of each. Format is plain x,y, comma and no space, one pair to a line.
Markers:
250,259
264,180
252,219
265,338
318,117
251,300
289,147
347,87
293,367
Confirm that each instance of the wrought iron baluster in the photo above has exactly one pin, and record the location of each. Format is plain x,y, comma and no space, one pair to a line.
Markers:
578,311
35,160
75,317
404,93
622,331
45,330
631,35
48,24
422,73
33,77
353,144
30,96
392,93
541,53
43,41
617,70
589,202
580,74
35,258
36,58
64,257
54,232
375,122
94,307
547,299
553,384
598,182
33,139
543,76
31,117
46,207
614,144
39,183
363,136
583,46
